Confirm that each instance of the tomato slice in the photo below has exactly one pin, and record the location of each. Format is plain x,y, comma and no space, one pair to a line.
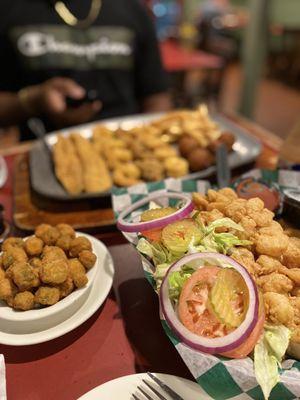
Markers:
245,348
195,311
154,235
193,306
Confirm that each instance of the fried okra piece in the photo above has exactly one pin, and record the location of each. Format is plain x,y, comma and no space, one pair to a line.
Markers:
24,301
7,290
24,276
66,287
64,242
12,242
87,259
12,255
54,272
66,230
78,245
34,246
36,263
46,295
51,253
47,233
2,274
77,272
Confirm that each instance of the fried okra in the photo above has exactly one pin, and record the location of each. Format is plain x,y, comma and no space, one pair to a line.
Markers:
78,245
87,259
7,289
47,233
66,230
12,255
24,276
34,246
77,272
66,287
51,253
64,242
12,242
46,295
54,272
24,301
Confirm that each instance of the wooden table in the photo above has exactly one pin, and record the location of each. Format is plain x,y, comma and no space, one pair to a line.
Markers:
123,337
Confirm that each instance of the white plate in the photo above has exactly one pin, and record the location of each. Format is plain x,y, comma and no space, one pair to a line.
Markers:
122,388
100,288
18,322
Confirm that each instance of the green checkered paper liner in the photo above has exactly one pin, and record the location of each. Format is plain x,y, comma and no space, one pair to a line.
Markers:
219,377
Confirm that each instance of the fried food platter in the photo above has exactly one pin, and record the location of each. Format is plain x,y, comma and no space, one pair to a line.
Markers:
45,174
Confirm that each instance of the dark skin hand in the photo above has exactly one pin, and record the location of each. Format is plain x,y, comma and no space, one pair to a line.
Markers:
49,98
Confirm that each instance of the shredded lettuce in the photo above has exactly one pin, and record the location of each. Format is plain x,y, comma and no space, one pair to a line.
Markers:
210,241
268,354
177,280
224,222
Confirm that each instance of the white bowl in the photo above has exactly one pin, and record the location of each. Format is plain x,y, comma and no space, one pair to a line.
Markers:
36,320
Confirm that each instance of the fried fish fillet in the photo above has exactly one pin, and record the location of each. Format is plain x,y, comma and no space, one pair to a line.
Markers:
67,164
96,176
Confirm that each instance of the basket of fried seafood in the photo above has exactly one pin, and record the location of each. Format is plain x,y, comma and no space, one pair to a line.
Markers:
228,279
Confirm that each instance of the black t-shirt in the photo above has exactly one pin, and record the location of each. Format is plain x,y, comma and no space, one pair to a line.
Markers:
118,55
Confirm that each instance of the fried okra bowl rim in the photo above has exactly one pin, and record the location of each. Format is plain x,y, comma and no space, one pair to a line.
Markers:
9,314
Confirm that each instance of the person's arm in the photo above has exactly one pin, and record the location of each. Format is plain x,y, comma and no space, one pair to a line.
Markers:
157,103
151,80
48,99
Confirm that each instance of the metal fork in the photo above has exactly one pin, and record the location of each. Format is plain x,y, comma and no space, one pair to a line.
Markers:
157,395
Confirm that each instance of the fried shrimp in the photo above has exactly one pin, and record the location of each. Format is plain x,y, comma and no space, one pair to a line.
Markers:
278,308
275,282
127,175
273,246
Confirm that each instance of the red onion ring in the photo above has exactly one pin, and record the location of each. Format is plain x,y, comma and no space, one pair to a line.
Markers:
157,223
211,345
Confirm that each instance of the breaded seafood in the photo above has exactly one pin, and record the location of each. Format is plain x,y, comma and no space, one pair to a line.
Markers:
96,177
67,164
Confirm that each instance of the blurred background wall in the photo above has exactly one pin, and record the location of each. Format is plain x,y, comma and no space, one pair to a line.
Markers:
258,44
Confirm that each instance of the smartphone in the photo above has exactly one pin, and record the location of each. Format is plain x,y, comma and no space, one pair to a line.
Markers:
90,97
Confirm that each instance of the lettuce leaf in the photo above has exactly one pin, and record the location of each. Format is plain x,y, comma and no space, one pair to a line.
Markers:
268,354
226,223
177,280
